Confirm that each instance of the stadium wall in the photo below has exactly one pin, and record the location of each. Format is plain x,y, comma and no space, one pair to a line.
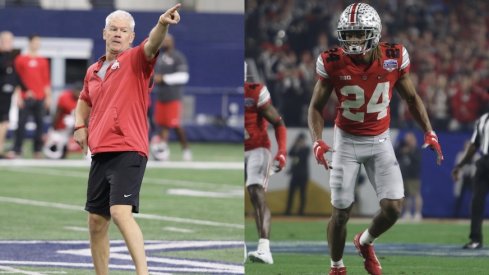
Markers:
212,42
437,185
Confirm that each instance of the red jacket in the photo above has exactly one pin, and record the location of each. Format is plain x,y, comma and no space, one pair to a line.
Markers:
119,102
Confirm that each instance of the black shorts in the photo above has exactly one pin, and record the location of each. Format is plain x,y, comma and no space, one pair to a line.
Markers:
115,179
4,105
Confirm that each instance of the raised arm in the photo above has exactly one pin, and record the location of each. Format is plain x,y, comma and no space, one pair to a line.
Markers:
157,34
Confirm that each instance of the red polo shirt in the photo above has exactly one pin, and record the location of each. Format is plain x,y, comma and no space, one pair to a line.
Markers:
119,103
34,72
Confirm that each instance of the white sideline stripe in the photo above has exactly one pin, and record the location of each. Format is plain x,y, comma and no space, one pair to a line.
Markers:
11,270
151,164
76,228
77,174
141,216
205,194
238,269
177,229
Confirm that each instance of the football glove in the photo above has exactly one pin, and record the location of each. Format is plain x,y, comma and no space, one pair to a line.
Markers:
431,140
279,161
320,148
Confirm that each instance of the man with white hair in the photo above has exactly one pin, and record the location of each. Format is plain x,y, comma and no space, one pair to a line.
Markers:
110,119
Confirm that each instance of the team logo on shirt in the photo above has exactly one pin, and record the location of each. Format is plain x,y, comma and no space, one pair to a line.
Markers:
249,102
390,64
115,65
345,77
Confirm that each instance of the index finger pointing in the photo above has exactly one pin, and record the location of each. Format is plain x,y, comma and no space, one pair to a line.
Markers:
175,8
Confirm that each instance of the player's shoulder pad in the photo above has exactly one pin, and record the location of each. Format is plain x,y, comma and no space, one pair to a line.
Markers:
253,86
332,55
391,50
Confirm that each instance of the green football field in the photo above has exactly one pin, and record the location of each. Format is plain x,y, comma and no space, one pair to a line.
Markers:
430,247
191,215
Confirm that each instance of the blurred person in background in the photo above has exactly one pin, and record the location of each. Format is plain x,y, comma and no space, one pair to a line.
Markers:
464,180
299,173
171,74
56,145
259,111
35,100
450,39
478,141
9,83
408,156
363,73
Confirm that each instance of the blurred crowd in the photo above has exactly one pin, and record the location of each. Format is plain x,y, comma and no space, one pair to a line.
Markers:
447,41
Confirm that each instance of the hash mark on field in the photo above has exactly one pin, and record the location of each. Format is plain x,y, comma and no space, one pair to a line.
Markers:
177,229
11,270
76,228
205,194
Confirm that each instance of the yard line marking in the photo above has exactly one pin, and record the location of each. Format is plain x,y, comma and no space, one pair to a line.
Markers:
76,228
151,164
140,216
206,194
84,175
177,229
11,270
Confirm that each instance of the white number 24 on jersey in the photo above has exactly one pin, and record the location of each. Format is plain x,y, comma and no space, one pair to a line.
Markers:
373,105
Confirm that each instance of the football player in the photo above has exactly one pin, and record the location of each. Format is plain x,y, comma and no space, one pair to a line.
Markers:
259,111
363,73
56,145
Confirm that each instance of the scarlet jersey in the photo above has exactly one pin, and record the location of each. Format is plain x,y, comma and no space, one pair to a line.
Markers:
66,103
256,98
363,93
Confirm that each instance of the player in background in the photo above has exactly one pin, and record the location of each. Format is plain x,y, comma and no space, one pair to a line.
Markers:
33,71
56,145
363,73
259,111
171,74
9,83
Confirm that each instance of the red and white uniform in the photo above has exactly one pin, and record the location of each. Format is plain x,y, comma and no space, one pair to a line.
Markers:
363,92
257,143
66,103
257,97
361,134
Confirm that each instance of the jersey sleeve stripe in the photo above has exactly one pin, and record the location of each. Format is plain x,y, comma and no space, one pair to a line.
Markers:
405,59
320,68
263,97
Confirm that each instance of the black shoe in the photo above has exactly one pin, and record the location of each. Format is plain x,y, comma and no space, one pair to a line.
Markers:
472,245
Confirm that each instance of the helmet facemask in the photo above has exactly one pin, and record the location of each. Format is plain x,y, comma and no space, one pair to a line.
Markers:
357,41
